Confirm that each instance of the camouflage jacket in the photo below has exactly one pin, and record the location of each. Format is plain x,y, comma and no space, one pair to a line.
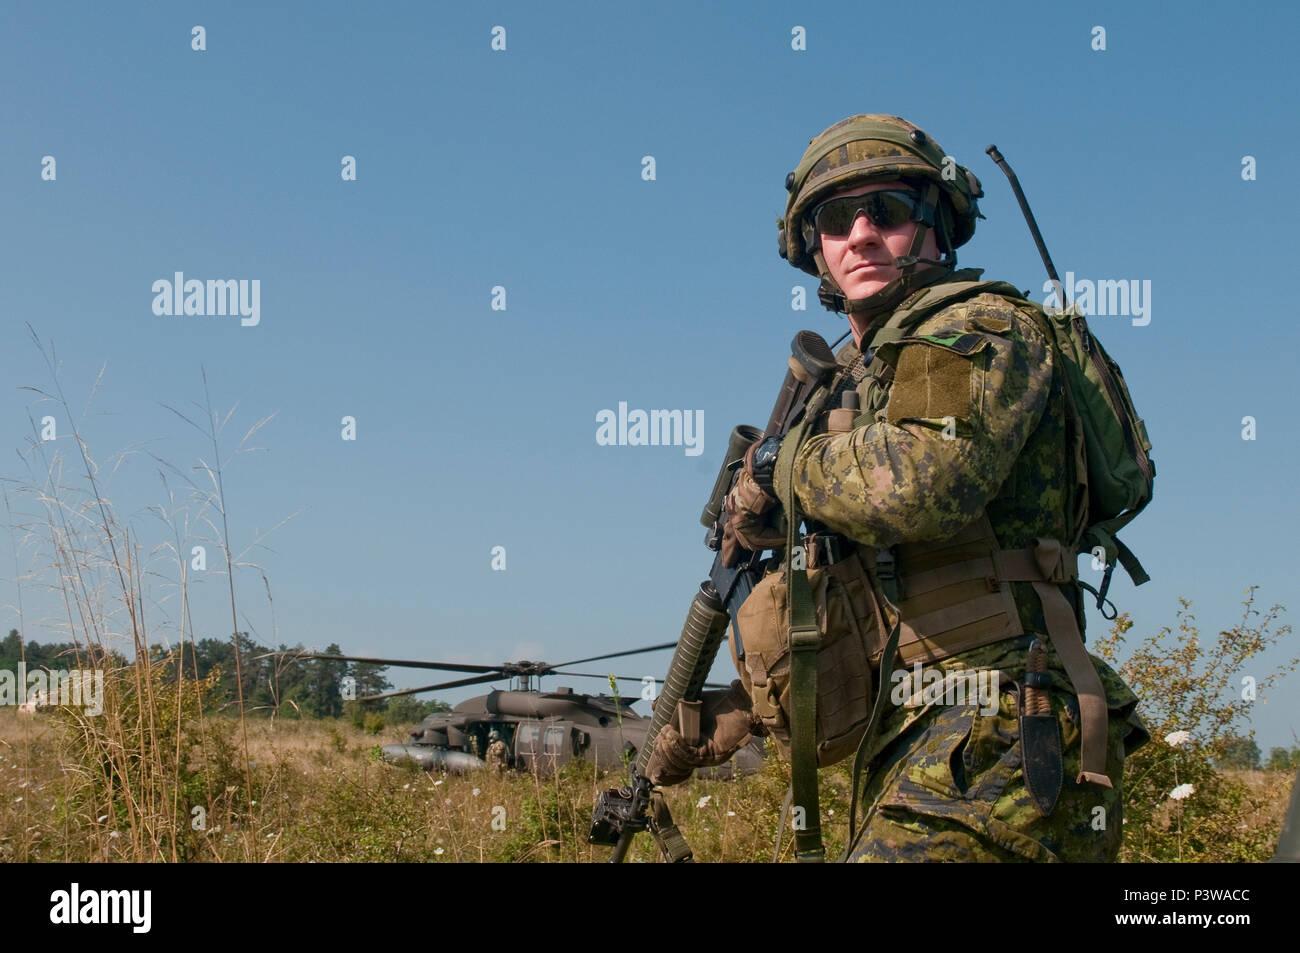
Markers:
973,421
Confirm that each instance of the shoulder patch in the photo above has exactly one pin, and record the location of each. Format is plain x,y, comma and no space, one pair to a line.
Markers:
932,382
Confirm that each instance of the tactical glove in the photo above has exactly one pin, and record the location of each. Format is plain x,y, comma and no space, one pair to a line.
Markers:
755,521
726,724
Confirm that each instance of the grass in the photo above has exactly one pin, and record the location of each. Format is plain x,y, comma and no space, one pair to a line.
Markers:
321,794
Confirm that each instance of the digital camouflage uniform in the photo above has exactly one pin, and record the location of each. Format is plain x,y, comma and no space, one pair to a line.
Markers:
944,782
498,755
968,422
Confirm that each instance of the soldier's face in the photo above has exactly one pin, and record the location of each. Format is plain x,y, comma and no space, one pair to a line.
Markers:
862,262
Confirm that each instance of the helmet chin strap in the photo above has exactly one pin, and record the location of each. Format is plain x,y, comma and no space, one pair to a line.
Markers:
887,298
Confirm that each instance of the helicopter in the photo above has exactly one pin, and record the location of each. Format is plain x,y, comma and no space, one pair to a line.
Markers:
542,730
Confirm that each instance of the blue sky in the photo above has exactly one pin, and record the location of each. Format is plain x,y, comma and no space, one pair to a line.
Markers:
522,169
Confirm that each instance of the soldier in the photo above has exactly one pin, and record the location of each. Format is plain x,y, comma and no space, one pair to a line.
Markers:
941,506
498,753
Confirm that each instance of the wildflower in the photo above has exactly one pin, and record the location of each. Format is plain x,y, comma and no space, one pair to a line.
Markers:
1176,738
437,852
436,783
477,792
704,801
731,814
1182,791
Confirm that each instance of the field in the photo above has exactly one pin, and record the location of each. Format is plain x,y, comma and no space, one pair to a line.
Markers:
319,793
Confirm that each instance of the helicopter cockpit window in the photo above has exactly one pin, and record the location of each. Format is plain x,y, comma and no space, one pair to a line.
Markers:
555,736
527,736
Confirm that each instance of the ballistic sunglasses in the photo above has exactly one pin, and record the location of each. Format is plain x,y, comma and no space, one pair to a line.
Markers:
886,209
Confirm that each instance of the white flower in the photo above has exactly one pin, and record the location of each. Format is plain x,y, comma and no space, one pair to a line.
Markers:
1176,738
436,783
704,800
1182,791
477,792
731,814
438,852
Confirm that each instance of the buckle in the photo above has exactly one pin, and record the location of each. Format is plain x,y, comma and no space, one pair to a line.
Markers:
886,564
824,549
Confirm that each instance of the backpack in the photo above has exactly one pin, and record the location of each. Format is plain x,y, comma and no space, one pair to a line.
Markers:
1114,472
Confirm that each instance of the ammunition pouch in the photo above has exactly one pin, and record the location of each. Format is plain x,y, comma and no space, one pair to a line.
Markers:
852,630
953,595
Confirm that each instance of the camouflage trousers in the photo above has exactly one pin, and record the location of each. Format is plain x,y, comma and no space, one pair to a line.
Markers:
951,787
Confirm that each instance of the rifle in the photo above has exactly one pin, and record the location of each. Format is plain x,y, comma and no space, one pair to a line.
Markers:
621,813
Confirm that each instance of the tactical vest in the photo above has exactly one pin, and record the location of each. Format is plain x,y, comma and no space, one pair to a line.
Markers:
854,610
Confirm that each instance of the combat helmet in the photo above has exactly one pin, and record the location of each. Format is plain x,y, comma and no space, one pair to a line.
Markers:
870,148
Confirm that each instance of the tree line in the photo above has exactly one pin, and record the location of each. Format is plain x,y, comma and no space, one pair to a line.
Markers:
274,681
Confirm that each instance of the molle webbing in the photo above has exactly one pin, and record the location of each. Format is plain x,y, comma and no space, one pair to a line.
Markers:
956,596
950,596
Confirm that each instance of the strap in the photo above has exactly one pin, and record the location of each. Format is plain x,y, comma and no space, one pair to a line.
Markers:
1131,564
666,834
935,298
1046,565
1104,534
887,660
1063,629
804,643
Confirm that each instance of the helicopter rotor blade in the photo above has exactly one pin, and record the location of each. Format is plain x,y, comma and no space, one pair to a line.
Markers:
401,663
478,680
621,678
626,678
597,658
